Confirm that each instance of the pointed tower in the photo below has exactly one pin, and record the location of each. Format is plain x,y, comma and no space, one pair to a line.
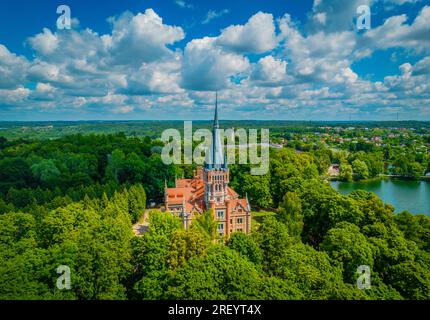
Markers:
216,174
215,155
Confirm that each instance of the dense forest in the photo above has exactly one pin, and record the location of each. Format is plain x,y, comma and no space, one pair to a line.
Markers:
72,201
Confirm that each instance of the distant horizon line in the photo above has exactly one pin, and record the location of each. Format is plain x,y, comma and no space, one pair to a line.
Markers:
210,120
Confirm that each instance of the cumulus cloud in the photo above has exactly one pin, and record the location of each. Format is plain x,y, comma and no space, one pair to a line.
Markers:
334,15
44,92
141,38
206,66
320,56
412,82
134,58
395,32
261,67
13,69
14,97
269,71
340,15
163,77
422,67
256,36
44,43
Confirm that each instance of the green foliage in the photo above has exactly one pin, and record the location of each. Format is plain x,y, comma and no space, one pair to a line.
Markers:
207,225
136,202
345,244
273,239
290,213
14,173
313,273
405,165
258,190
345,172
322,209
46,172
94,241
246,246
411,279
72,201
360,169
221,275
184,245
415,228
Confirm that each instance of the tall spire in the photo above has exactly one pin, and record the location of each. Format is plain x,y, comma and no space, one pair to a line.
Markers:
215,155
216,124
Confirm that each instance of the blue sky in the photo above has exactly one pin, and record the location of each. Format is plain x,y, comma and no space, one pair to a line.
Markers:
164,59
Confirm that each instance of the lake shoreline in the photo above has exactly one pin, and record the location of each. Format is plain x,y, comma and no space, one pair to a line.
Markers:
383,177
403,194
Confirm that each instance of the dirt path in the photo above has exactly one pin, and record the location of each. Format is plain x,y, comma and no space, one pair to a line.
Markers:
140,227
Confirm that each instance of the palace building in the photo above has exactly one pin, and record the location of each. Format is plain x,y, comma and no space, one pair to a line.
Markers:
209,189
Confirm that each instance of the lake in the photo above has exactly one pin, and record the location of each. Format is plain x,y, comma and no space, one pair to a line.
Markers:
413,196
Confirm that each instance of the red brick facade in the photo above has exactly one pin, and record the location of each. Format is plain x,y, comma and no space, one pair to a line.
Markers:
209,189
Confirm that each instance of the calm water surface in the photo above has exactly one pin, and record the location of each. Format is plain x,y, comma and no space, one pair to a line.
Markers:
413,196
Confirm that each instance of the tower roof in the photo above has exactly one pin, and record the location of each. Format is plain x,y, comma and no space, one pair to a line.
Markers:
215,156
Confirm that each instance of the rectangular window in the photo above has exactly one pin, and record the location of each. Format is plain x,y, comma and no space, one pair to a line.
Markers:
221,227
239,220
220,214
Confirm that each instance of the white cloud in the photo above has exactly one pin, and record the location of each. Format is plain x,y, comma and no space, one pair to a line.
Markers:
184,4
207,67
256,36
44,92
320,56
141,38
162,77
44,43
213,15
13,69
269,71
422,67
14,97
395,32
334,15
303,70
